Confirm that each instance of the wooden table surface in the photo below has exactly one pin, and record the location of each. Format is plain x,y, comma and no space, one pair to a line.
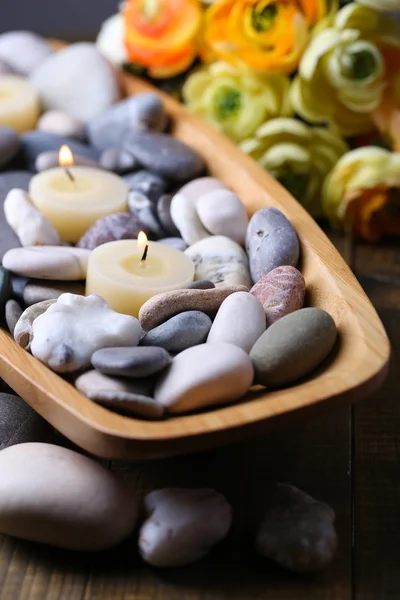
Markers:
348,457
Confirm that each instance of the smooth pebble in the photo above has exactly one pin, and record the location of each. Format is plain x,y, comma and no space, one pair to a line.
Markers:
23,330
196,188
61,123
293,347
27,222
13,313
5,288
240,321
120,226
38,290
140,112
186,220
149,184
48,262
121,394
281,292
201,284
50,160
55,496
118,160
143,209
23,51
130,362
182,331
182,525
34,143
19,423
163,306
175,242
8,181
164,215
223,213
271,242
9,144
63,83
221,260
297,531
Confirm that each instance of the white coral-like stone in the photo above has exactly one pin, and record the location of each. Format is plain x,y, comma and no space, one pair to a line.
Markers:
32,228
73,328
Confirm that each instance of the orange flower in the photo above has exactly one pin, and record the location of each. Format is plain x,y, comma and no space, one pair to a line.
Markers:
160,34
264,34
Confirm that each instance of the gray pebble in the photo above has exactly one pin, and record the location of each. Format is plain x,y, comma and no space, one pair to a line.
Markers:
5,288
50,160
8,181
175,242
201,284
142,208
19,423
36,142
13,312
149,184
131,362
293,347
183,331
9,144
271,242
18,285
297,531
37,290
132,396
164,215
165,155
120,226
118,160
140,112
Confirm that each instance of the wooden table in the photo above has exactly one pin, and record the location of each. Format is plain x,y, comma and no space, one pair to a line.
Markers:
349,458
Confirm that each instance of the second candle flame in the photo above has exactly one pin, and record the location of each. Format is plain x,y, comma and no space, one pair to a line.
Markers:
65,157
142,240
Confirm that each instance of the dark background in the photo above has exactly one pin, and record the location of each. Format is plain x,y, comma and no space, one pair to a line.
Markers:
69,19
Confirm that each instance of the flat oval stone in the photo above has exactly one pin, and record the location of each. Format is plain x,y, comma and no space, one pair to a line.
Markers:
140,112
223,213
175,242
50,160
118,160
293,347
182,331
162,307
280,292
143,209
13,313
61,123
120,226
121,394
73,502
271,242
240,321
220,260
23,51
38,290
48,262
9,144
19,423
5,288
130,362
164,215
34,143
204,375
193,190
201,284
165,155
149,184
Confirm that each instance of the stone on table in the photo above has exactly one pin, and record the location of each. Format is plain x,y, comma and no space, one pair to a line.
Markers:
205,375
19,423
297,531
293,347
164,215
182,525
271,242
130,362
180,332
143,209
27,222
240,321
48,262
5,288
9,144
66,336
120,394
55,496
149,184
77,80
223,213
61,123
50,160
23,51
165,155
23,330
162,307
140,112
38,290
120,226
175,242
34,143
13,313
281,292
221,260
118,160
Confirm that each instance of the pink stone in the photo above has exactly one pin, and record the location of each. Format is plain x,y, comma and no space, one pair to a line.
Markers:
280,292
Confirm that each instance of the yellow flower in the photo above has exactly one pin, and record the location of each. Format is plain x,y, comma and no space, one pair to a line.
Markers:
262,34
298,155
236,101
362,193
341,77
382,5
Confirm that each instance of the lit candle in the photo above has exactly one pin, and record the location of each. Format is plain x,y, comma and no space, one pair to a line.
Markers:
73,198
125,274
19,103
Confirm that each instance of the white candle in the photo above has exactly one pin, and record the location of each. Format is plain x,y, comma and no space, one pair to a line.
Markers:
117,273
73,198
19,103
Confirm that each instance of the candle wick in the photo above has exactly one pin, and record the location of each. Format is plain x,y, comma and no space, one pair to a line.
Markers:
146,249
71,177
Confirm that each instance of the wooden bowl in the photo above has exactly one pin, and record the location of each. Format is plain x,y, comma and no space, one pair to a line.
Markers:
356,369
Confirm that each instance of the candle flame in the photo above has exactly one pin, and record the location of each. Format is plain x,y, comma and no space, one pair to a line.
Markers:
142,240
65,157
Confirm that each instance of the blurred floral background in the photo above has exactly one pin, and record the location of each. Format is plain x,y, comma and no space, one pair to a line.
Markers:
308,88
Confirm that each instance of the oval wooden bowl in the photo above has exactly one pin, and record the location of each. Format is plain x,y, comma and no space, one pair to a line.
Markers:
356,369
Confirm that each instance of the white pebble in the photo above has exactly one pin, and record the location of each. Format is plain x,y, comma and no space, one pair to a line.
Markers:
222,213
23,51
48,262
61,123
